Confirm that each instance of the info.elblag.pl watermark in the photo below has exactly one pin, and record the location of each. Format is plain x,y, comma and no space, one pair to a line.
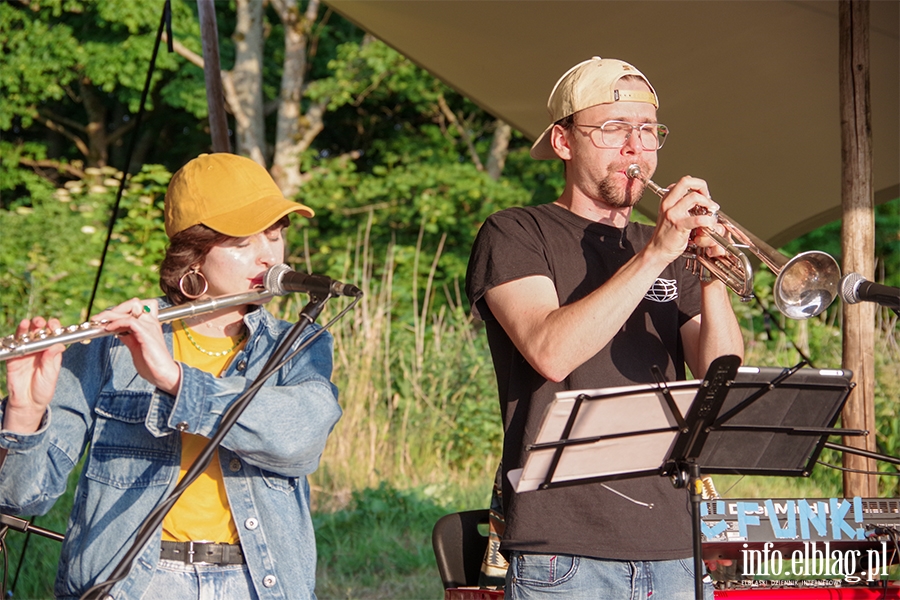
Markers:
801,538
817,560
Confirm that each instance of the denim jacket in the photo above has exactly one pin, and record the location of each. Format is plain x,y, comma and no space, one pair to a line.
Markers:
130,430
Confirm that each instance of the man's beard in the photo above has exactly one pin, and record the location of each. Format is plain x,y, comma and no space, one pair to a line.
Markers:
617,195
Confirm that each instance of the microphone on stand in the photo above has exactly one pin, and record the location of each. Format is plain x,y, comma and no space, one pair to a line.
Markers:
281,280
855,288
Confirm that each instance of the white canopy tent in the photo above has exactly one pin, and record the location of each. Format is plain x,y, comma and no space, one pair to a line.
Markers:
748,88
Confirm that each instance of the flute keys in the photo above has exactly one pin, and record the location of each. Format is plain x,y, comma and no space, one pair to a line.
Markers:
13,342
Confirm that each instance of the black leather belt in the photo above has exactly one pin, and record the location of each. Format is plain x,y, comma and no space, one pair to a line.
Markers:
202,552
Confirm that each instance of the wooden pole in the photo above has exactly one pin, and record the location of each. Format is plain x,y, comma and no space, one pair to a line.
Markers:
857,238
215,96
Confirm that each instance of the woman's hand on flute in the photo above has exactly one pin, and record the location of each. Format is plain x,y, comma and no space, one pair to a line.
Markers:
136,323
31,380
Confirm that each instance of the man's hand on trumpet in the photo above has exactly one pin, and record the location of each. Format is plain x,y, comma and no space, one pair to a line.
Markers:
136,323
702,241
685,213
31,380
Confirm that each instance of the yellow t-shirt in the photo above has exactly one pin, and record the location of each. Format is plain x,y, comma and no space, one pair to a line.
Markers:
202,512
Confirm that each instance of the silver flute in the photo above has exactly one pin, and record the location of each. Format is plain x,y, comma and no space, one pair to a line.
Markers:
34,341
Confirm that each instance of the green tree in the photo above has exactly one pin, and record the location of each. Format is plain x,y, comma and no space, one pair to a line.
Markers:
71,75
373,134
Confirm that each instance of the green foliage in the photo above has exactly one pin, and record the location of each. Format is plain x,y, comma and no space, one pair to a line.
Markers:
382,536
71,76
27,181
395,203
52,44
49,266
416,172
38,60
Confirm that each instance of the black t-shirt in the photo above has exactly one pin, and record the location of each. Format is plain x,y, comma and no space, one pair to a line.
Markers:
611,520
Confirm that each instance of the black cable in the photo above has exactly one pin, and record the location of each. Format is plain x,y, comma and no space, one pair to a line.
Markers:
5,552
891,533
15,581
165,21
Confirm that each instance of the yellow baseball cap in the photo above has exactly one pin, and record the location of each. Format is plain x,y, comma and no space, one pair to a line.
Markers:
228,193
588,84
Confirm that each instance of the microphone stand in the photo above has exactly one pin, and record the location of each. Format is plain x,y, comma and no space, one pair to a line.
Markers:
308,315
8,522
26,527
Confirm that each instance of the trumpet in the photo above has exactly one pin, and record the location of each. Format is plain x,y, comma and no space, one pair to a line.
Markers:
805,285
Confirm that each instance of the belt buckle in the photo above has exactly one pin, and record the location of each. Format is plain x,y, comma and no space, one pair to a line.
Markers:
189,559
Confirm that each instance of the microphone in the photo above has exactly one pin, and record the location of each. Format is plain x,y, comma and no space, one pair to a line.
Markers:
855,288
281,279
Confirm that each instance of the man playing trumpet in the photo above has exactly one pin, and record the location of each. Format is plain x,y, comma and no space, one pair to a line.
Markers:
575,296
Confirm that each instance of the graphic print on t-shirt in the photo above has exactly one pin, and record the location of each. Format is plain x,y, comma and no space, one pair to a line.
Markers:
662,290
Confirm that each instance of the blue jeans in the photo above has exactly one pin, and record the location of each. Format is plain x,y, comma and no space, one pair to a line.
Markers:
534,576
175,579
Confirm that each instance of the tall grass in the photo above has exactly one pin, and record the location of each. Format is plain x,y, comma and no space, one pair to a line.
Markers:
416,386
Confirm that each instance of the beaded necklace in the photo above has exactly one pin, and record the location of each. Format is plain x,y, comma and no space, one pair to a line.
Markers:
204,350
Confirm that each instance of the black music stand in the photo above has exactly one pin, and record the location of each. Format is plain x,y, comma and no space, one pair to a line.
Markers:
745,421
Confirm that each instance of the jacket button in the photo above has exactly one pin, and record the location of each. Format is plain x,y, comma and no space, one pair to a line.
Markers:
269,581
234,465
251,523
242,365
183,426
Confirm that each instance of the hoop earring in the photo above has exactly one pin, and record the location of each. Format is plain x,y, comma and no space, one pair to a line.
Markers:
181,286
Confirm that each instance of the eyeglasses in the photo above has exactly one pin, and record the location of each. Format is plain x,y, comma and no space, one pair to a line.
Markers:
615,134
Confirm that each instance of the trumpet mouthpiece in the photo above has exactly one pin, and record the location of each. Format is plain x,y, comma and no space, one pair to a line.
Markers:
633,172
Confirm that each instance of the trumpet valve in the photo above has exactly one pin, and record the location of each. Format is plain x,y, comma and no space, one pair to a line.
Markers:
696,267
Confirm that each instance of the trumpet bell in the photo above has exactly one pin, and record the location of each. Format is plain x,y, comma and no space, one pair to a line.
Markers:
807,284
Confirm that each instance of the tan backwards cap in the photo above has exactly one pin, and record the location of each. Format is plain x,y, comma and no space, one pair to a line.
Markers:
228,193
585,85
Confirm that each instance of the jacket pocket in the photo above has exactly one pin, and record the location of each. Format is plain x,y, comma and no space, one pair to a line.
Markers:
123,453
